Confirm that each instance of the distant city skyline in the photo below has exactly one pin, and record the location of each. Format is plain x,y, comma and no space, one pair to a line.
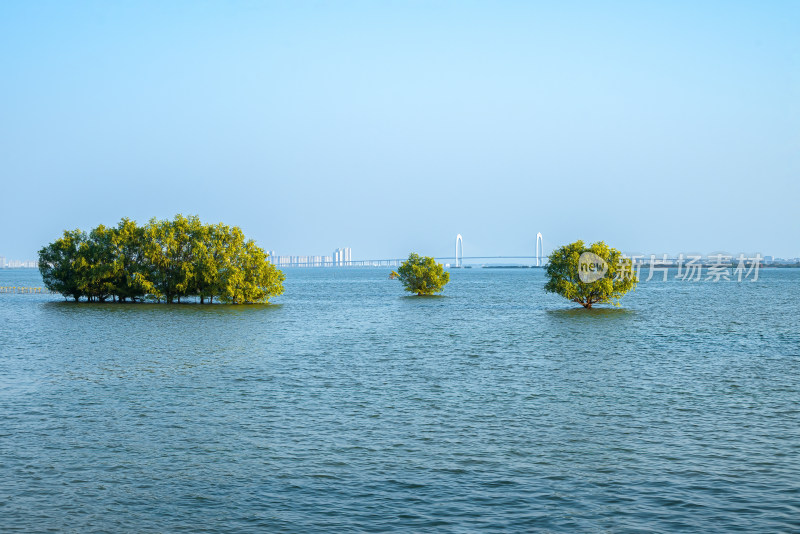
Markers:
340,256
656,127
13,264
344,256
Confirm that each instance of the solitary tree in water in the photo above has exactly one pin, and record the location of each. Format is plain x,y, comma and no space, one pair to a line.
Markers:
591,275
422,275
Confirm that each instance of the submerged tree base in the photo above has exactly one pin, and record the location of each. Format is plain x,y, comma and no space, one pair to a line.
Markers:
164,303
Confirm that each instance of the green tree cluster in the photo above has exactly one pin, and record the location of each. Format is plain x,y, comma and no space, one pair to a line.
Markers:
163,260
422,275
607,274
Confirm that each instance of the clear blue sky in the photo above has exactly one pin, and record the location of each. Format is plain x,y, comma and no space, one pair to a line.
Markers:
392,126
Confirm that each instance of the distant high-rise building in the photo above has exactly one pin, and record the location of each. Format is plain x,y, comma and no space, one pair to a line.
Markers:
2,262
342,256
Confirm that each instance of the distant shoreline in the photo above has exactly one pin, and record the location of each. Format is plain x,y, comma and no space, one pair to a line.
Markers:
499,266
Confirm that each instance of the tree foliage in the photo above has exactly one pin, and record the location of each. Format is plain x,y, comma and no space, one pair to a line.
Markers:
163,260
57,263
564,274
422,275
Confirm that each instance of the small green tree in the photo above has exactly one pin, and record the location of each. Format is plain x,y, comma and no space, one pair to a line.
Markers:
598,274
98,264
249,278
57,264
422,275
133,272
168,245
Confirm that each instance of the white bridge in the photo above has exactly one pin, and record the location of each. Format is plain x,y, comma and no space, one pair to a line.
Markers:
458,258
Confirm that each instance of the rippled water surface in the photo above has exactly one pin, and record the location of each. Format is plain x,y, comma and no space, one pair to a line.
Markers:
346,406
